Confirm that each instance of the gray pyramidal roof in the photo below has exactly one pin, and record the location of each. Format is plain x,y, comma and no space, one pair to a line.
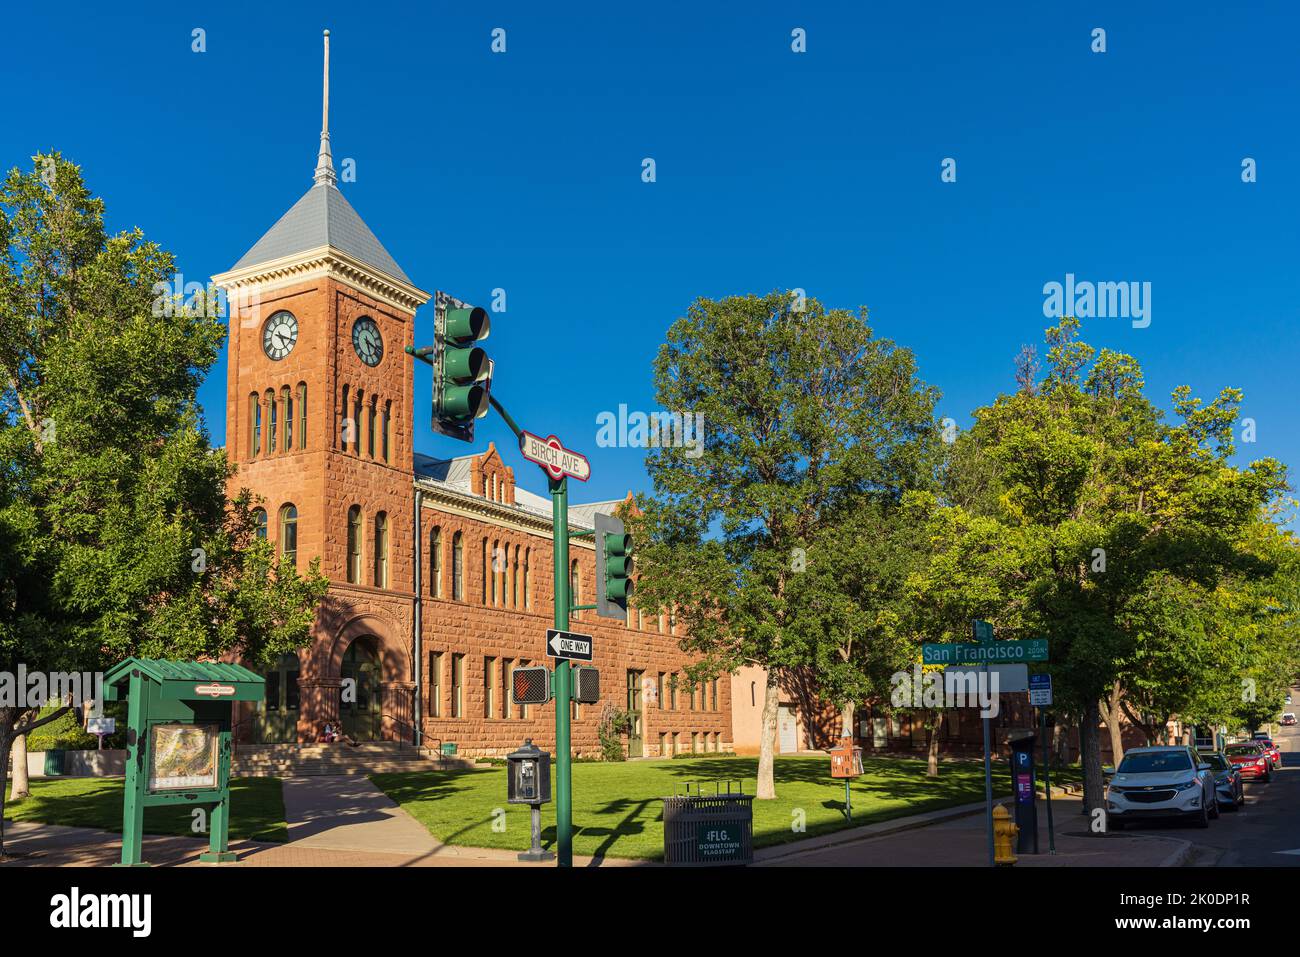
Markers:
323,217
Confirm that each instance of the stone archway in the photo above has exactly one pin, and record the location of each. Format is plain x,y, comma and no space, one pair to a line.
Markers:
369,665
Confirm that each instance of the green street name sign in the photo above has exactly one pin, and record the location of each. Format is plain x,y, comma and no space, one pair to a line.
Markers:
1031,649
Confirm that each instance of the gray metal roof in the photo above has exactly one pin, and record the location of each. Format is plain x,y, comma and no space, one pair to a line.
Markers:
323,217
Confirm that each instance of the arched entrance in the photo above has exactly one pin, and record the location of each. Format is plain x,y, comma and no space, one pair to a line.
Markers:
276,718
360,696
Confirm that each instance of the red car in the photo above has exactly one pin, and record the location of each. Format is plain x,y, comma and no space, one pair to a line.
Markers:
1251,759
1272,750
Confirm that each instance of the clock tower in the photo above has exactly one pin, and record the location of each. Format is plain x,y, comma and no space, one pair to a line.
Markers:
320,427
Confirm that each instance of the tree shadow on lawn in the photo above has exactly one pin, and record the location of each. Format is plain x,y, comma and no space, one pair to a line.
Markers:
405,787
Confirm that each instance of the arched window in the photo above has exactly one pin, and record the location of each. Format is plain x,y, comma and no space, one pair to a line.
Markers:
302,415
254,425
528,598
354,545
289,533
271,433
387,429
356,422
496,572
458,567
286,403
381,550
345,431
259,522
370,427
435,562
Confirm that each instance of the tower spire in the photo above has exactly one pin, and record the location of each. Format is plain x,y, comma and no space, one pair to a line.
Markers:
325,159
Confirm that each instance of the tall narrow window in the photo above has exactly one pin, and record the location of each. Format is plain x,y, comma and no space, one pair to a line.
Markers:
354,544
345,427
487,570
356,423
259,522
388,428
435,562
514,580
575,592
254,425
489,687
370,427
457,686
302,415
286,406
528,598
458,567
289,533
381,550
435,684
271,431
496,572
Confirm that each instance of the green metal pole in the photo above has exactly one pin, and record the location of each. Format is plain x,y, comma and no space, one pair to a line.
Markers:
1047,783
563,677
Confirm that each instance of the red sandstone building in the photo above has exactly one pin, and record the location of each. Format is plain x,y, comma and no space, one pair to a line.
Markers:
440,569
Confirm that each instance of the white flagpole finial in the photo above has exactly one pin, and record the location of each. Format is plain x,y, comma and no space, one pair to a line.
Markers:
325,159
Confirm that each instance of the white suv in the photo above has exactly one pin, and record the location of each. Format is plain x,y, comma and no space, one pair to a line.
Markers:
1161,782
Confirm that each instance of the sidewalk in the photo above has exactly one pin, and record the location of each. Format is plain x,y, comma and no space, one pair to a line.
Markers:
961,841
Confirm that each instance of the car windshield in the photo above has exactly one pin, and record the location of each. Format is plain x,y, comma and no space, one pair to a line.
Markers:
1244,749
1216,761
1153,762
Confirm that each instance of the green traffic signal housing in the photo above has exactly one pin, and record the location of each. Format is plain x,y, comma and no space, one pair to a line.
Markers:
614,562
462,372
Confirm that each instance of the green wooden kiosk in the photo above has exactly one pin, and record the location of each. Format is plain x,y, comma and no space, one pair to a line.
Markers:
178,742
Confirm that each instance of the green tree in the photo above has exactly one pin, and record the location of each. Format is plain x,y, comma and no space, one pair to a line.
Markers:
116,533
804,411
1087,516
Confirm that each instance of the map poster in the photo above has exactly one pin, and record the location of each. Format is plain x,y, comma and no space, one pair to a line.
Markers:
182,756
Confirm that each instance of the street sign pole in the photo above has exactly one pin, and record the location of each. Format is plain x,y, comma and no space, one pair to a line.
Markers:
988,782
1047,782
563,675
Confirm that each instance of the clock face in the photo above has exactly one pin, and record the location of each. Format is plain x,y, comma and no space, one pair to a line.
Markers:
367,341
279,335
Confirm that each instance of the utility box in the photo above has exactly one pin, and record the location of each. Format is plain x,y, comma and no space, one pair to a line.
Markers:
846,759
528,775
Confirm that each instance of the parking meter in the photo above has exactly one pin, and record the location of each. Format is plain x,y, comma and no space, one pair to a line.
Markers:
1024,806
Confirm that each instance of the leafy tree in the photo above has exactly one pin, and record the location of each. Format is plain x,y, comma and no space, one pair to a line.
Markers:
1090,521
805,411
116,534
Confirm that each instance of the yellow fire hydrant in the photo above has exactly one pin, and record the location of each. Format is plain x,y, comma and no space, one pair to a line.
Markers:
1004,835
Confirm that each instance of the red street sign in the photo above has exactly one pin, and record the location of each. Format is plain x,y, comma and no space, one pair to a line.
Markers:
555,458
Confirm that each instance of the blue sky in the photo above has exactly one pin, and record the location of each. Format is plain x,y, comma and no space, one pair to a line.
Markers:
818,170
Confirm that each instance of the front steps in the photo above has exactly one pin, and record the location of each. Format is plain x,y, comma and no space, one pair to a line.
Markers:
368,757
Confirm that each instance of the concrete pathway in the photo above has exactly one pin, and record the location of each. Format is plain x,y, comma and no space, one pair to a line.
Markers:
348,813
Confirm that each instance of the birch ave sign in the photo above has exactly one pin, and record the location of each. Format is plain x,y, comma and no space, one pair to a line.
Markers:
555,458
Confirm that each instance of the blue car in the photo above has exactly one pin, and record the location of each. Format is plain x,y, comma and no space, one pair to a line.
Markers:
1228,788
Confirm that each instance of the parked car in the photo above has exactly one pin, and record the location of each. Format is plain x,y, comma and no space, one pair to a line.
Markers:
1288,719
1227,779
1272,750
1250,759
1167,781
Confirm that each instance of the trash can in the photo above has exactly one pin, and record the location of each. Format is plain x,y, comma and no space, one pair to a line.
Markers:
54,762
709,830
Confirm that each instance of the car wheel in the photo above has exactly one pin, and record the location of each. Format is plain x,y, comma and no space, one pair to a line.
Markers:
1114,824
1214,807
1204,819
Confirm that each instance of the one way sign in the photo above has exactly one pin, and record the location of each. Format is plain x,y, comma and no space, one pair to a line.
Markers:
566,644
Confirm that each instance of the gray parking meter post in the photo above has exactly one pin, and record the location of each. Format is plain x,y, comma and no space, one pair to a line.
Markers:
528,781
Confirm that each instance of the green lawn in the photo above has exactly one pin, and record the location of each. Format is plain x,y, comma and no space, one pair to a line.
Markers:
257,806
618,812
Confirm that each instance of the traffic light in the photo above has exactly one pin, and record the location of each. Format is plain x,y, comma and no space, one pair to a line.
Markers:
462,372
531,685
586,684
613,567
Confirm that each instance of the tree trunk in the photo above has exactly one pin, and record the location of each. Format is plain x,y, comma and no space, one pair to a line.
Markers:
1111,712
932,757
6,740
21,785
1094,785
766,790
1060,742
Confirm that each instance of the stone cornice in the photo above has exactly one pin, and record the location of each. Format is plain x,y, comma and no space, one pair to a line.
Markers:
318,262
482,509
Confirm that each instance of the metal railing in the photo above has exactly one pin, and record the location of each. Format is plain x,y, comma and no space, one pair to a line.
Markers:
401,739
